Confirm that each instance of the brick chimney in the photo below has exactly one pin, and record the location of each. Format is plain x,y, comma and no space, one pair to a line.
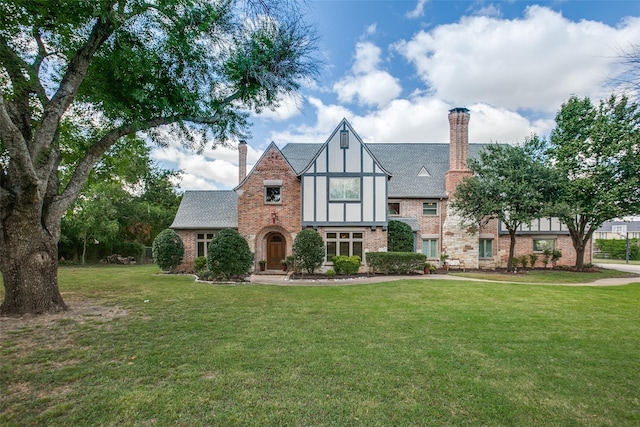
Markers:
457,241
458,148
242,160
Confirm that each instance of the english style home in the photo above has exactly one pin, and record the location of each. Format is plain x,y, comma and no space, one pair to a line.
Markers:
348,191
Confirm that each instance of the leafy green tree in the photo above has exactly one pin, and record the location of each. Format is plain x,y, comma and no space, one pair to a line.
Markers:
94,218
596,152
228,255
177,70
308,250
509,183
399,237
168,249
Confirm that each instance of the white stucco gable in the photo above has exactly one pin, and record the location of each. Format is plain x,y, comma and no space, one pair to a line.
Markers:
344,184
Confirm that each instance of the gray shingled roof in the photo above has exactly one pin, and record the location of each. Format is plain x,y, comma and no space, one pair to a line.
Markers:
632,226
206,210
403,161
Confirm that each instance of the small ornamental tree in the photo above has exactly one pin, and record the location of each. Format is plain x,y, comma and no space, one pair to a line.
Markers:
308,250
228,255
399,237
167,250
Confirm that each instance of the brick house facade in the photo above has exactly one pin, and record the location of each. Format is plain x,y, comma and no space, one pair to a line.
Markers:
349,191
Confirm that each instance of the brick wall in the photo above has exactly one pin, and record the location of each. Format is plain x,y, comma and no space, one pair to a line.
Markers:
524,246
256,219
189,240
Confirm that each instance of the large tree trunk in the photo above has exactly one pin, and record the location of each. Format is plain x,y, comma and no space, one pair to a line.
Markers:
29,267
512,249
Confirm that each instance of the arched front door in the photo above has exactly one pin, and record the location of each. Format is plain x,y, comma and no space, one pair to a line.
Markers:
276,251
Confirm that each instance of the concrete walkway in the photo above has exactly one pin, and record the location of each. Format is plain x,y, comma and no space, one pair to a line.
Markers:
282,280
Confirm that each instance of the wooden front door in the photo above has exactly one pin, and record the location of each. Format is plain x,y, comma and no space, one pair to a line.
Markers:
275,251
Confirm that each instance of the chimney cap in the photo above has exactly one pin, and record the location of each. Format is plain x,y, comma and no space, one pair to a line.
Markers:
242,141
459,110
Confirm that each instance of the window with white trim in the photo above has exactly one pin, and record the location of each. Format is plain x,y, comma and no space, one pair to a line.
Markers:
202,242
272,195
346,243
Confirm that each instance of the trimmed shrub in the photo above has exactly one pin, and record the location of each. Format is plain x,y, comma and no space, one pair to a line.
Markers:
228,255
399,237
330,273
617,248
533,258
200,263
308,250
396,262
346,264
167,250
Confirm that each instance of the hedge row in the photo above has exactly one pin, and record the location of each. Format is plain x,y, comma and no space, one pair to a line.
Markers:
396,262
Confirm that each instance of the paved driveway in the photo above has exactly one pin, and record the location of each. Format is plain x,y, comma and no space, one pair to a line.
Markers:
631,268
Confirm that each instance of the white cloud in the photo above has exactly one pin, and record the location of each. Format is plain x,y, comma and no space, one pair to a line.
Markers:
419,119
214,168
535,62
289,107
418,11
367,83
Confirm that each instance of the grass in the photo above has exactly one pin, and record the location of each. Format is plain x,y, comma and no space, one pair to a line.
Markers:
163,350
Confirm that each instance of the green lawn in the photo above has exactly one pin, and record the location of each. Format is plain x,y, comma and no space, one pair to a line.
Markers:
163,350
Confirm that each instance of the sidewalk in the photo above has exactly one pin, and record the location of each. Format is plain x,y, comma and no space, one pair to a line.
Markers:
282,280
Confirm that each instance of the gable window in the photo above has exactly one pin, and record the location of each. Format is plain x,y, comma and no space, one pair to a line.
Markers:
344,139
344,189
344,243
430,208
430,248
540,245
272,194
202,242
393,208
486,248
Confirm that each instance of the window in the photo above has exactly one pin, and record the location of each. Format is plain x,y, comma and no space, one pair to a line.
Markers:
344,139
430,208
393,208
344,243
272,194
539,245
202,241
430,248
486,248
344,189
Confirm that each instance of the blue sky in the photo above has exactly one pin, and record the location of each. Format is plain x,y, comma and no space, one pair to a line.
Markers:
394,69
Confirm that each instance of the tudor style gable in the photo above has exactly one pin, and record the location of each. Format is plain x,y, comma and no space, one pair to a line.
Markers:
344,184
269,207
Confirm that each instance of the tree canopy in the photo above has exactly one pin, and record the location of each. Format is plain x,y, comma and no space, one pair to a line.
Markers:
509,183
97,71
596,153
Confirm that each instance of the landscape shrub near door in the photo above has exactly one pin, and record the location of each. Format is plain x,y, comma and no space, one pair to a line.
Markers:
228,256
167,250
308,250
346,264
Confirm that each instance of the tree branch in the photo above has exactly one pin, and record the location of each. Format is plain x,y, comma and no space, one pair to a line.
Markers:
16,145
75,74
